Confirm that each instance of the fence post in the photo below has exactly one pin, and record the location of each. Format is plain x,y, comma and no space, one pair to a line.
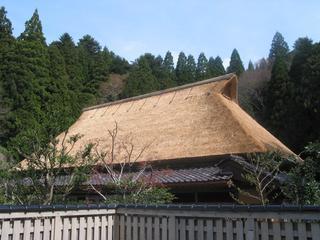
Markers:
57,227
249,229
172,227
116,226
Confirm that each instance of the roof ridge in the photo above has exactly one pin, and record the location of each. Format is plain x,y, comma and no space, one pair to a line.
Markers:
215,79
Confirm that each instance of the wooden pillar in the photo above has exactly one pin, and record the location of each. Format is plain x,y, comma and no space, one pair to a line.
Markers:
116,226
57,227
249,229
172,227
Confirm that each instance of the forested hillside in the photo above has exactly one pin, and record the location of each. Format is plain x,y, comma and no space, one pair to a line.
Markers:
283,91
44,86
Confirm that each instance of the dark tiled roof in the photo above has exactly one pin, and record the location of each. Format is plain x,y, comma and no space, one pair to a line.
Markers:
191,175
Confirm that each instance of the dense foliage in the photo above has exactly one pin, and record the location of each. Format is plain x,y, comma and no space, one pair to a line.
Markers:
150,73
303,183
44,87
285,98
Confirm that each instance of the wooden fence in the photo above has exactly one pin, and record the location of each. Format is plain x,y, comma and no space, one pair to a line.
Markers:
165,222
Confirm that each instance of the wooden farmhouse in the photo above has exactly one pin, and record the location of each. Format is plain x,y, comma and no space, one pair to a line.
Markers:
191,135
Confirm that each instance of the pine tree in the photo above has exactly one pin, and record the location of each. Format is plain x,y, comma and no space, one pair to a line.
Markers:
62,108
94,67
168,62
33,29
91,46
219,68
279,48
211,67
5,26
276,95
303,103
6,52
29,83
71,57
215,67
303,48
202,65
74,69
181,69
250,66
235,65
163,73
168,71
156,65
119,65
140,80
191,69
310,88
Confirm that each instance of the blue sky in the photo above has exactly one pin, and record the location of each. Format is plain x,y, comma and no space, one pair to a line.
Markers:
131,28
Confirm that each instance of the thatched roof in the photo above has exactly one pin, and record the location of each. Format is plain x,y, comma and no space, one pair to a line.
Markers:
195,120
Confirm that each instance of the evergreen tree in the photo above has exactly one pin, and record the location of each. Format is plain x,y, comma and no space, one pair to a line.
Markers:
157,69
168,71
191,69
219,68
62,108
181,69
215,67
72,63
310,91
278,90
74,69
118,64
303,104
155,64
30,84
276,95
250,66
211,67
6,52
202,65
163,74
5,26
168,62
140,80
303,48
95,68
33,29
91,46
279,48
235,65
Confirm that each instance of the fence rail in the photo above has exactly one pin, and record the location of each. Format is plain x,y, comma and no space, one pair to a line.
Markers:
165,222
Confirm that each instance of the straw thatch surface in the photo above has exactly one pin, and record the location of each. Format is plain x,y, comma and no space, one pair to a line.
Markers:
200,119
